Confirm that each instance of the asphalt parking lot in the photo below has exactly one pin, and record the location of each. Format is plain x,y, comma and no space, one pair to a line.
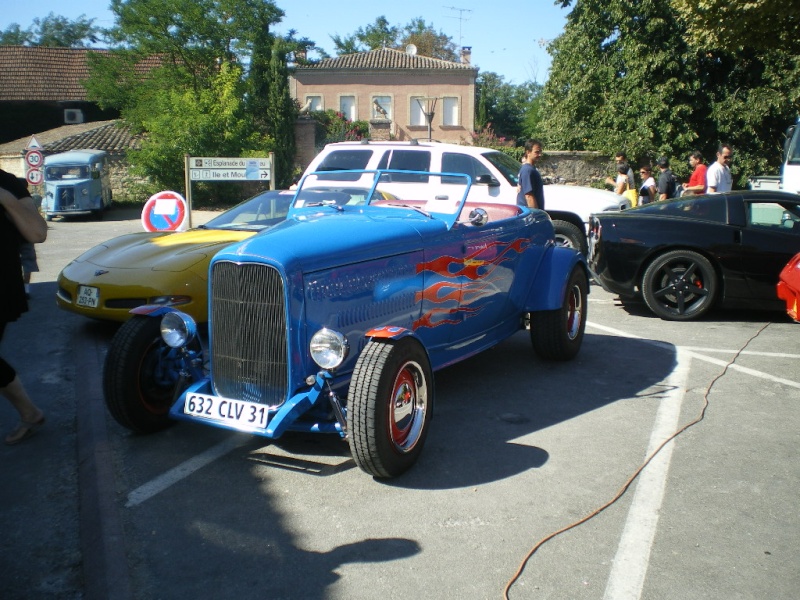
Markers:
519,450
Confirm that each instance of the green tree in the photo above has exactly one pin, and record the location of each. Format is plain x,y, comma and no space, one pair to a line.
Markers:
507,109
623,77
428,41
381,34
532,119
205,123
53,31
281,115
376,35
13,35
181,53
736,24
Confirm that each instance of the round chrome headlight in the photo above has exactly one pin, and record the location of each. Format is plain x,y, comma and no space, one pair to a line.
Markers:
328,348
177,329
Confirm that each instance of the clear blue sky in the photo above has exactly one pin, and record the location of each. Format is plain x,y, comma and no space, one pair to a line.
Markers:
504,36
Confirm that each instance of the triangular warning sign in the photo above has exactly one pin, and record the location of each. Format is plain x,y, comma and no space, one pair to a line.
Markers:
33,144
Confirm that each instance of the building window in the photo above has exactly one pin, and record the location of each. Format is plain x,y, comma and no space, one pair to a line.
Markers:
450,111
313,103
417,116
382,107
347,106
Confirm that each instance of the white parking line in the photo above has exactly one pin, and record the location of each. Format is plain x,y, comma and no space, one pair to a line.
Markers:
629,568
628,571
183,470
708,359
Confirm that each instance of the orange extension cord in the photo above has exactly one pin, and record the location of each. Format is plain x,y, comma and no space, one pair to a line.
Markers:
636,473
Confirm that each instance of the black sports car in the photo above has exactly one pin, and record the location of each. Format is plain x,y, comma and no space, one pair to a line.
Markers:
689,254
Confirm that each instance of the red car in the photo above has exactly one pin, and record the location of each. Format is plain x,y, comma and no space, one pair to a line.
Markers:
789,286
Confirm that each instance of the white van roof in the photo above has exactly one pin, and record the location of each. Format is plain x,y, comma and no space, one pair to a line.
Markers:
75,157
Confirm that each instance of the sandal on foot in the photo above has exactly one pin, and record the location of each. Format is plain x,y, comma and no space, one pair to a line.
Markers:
24,430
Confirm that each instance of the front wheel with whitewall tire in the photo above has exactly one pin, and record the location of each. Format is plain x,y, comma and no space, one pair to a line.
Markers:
390,405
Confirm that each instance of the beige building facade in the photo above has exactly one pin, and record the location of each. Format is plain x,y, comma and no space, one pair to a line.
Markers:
394,91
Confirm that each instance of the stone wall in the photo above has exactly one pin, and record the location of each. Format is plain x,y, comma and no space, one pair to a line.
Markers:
577,168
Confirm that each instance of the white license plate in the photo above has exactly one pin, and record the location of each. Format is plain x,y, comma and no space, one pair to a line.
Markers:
237,413
88,296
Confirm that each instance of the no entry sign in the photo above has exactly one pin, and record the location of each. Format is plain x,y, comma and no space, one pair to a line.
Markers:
165,211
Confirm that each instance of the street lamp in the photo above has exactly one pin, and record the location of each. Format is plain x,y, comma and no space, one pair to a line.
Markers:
428,106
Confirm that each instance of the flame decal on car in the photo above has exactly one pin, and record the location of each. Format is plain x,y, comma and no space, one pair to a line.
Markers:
466,282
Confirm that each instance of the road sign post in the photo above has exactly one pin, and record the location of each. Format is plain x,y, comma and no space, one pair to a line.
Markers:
34,160
220,168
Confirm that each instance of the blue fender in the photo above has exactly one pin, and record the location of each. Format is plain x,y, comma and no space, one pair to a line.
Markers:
152,310
549,287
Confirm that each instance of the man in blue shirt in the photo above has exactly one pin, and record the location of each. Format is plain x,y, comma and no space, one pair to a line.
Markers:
531,186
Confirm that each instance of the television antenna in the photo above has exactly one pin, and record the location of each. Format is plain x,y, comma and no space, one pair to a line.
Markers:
460,18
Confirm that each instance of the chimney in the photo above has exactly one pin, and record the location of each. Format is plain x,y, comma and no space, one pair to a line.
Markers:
466,54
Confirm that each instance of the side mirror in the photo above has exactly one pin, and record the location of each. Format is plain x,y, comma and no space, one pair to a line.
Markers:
487,180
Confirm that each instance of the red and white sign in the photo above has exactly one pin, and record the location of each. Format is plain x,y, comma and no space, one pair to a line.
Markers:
34,176
165,211
34,159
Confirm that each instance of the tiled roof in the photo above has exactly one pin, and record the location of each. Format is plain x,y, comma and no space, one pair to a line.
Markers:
385,58
42,73
110,136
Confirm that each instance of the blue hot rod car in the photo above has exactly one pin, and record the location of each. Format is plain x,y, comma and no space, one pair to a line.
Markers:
335,320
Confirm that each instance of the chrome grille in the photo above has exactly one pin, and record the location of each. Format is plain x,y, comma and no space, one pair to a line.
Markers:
248,329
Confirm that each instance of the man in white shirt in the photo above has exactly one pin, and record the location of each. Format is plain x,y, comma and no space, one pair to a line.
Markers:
718,176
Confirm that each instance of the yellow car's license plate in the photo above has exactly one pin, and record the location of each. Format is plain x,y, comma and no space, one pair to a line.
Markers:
88,296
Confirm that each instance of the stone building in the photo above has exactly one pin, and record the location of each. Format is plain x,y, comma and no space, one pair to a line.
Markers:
393,91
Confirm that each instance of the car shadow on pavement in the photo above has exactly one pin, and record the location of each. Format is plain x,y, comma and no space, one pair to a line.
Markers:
636,307
490,408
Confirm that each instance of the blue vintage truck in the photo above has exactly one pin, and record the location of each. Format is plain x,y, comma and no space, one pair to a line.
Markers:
335,320
76,183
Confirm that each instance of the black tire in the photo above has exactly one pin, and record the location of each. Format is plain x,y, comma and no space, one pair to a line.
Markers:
141,376
390,405
570,235
680,285
558,334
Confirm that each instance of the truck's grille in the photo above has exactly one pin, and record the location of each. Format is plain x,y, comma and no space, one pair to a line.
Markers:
248,333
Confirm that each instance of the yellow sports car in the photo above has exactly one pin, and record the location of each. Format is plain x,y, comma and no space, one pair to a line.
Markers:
171,268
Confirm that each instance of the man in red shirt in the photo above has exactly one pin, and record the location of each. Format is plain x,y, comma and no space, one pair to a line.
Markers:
697,181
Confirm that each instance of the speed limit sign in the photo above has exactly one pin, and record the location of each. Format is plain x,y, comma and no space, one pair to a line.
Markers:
34,158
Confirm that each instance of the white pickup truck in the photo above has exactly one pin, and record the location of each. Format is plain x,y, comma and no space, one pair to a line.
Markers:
494,176
789,179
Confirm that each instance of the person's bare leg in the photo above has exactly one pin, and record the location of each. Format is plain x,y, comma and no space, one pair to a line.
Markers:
30,414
